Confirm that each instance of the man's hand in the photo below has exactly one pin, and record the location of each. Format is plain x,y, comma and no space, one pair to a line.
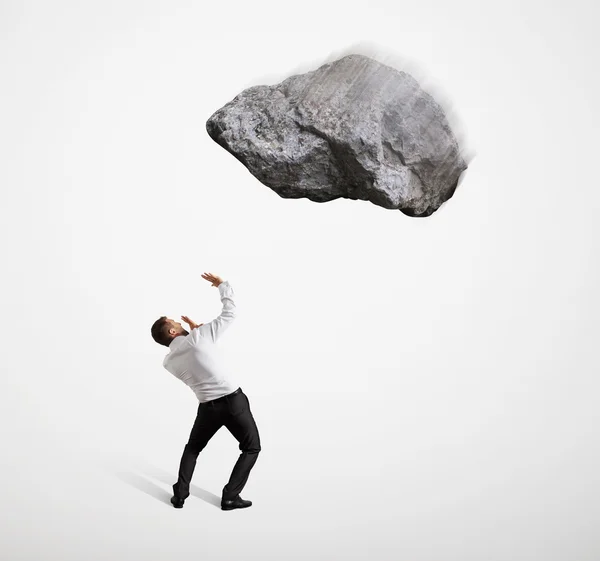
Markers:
214,279
191,323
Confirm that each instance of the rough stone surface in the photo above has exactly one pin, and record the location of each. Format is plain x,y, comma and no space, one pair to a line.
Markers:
353,128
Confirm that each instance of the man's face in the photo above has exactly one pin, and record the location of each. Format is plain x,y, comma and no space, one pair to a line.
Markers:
175,327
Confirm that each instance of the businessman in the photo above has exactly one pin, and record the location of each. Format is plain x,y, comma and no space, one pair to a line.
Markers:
194,358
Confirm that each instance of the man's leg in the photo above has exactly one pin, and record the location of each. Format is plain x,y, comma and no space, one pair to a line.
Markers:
208,422
241,425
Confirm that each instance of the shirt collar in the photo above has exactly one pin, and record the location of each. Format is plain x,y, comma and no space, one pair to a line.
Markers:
177,341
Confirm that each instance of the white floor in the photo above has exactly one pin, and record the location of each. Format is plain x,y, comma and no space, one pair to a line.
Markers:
350,480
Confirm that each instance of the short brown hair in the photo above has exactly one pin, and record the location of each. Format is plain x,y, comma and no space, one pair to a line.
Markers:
160,331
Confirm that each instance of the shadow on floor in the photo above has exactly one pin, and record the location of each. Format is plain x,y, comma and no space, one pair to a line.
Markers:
195,491
150,488
145,486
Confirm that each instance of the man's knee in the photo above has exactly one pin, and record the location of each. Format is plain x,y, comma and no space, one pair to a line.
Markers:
251,447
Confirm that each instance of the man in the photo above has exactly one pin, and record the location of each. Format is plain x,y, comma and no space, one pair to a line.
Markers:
194,359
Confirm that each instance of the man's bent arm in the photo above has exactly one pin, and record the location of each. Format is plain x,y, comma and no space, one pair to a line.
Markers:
214,329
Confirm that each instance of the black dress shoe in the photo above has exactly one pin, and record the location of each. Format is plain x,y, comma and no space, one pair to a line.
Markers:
177,502
238,502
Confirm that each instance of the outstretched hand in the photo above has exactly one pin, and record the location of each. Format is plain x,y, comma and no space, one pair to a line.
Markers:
190,322
214,279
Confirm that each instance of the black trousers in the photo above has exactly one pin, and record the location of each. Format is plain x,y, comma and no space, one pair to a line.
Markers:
233,411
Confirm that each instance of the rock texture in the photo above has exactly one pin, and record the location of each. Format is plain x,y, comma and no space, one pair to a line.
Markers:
353,128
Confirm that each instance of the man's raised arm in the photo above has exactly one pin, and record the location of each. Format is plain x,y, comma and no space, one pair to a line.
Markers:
214,329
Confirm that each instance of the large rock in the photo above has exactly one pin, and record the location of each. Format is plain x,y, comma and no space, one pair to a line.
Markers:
353,128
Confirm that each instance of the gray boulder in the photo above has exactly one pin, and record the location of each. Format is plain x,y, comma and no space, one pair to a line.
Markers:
353,128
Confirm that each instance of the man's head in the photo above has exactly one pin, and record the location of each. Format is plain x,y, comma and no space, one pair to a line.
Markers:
164,330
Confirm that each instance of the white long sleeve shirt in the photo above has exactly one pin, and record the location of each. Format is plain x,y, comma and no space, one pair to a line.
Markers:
197,360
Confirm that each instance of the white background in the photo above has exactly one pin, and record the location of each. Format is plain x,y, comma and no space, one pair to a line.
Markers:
425,388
